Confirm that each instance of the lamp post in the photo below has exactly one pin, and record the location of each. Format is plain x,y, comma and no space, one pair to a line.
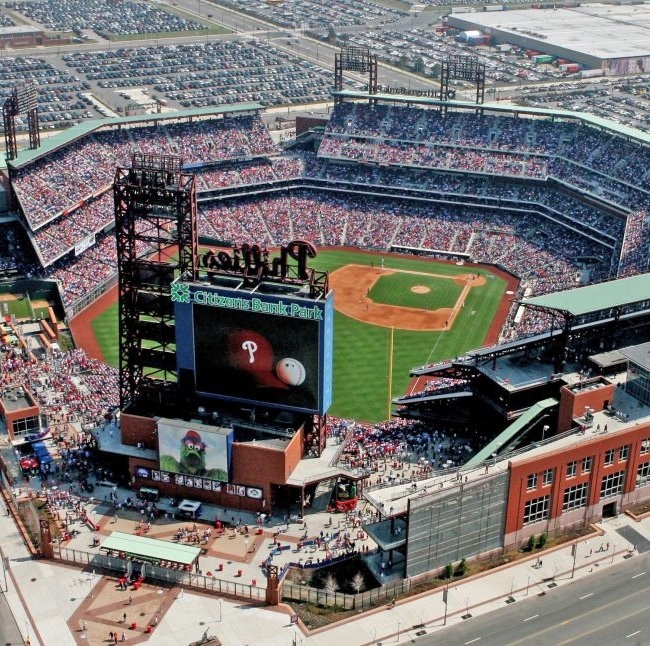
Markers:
544,430
399,625
160,593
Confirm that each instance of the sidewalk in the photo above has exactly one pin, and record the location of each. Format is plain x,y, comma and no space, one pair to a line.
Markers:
52,603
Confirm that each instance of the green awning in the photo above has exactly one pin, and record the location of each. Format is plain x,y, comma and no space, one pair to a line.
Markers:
151,549
597,297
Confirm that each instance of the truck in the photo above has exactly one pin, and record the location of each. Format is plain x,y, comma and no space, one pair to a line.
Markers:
543,59
587,74
505,48
570,68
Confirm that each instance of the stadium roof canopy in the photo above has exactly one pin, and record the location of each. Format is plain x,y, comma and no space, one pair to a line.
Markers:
50,144
503,108
601,31
594,298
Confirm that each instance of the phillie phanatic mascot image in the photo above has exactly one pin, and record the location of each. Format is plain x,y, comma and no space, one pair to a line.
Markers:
192,459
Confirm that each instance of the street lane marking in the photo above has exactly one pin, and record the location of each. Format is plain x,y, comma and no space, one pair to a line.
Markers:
582,616
636,576
586,596
632,634
472,641
529,618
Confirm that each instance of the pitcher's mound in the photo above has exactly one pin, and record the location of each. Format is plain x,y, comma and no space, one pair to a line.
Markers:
420,289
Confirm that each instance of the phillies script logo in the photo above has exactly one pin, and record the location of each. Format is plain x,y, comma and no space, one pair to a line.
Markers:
253,262
251,348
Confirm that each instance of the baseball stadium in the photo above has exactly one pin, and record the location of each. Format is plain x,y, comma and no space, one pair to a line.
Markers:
458,291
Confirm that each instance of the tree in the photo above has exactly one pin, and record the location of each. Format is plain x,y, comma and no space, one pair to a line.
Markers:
542,540
461,570
358,583
532,541
330,584
418,65
449,571
331,35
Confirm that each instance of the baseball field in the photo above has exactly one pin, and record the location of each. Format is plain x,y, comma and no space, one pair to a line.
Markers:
391,310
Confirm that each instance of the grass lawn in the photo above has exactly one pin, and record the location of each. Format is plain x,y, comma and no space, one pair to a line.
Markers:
20,308
361,351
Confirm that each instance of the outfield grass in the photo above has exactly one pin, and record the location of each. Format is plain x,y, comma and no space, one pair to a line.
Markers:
362,352
395,289
106,331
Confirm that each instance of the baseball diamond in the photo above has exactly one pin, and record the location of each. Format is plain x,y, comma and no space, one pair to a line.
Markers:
365,309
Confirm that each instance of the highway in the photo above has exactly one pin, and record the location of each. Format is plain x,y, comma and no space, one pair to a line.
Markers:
610,608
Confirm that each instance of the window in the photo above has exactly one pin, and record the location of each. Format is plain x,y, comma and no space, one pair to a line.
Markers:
623,453
571,469
548,477
643,475
25,426
575,497
536,509
532,482
645,446
586,464
609,456
612,484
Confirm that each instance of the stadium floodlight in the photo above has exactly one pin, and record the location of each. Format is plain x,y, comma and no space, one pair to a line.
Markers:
25,97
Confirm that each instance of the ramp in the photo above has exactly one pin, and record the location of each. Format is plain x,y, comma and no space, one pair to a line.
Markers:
527,419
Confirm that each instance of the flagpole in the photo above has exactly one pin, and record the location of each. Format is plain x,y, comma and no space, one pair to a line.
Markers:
390,367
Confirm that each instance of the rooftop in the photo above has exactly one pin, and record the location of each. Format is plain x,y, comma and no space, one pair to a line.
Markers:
602,31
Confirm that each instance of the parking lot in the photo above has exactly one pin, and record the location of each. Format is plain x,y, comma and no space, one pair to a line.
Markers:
272,67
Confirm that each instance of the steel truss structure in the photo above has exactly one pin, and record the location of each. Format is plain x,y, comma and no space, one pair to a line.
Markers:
155,221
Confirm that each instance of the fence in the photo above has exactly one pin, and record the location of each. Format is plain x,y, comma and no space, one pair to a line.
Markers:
384,594
163,576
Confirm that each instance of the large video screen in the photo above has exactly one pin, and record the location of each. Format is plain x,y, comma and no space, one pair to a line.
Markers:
256,357
193,449
265,349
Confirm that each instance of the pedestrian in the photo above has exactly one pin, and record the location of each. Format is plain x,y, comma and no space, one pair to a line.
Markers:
130,599
124,617
115,638
123,637
110,635
607,546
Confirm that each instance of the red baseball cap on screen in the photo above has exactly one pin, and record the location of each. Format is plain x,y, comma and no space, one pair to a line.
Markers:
251,352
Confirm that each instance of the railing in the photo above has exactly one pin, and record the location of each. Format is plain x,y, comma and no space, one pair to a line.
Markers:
384,594
90,297
163,576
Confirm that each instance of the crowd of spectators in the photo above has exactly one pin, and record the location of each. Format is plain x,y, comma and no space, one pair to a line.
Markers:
400,450
253,173
100,16
634,251
51,189
355,130
69,386
439,386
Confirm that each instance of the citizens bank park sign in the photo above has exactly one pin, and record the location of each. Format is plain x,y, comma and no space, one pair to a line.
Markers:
186,293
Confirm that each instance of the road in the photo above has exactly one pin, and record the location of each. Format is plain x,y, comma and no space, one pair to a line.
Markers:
610,607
